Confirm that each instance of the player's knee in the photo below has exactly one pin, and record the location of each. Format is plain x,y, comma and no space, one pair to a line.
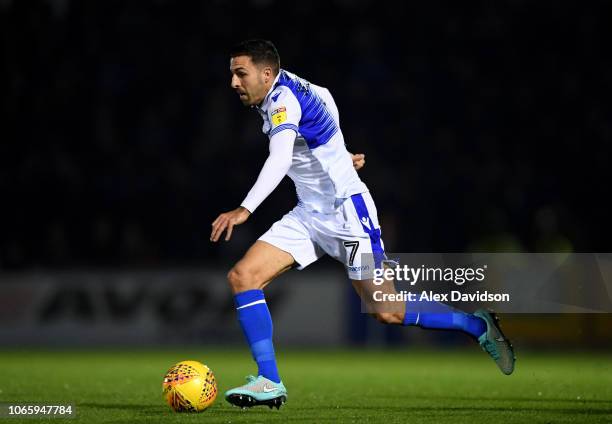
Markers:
241,279
389,317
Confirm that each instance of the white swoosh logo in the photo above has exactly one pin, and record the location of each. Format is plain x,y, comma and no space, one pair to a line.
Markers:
267,389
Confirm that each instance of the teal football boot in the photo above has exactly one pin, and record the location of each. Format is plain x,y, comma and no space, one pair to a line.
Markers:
495,343
258,391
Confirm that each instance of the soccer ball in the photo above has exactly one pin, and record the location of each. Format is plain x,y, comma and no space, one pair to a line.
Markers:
189,386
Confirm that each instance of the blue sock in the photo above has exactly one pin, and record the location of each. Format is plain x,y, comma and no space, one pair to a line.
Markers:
435,315
256,323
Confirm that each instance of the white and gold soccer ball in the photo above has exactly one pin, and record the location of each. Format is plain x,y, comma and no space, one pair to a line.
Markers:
189,386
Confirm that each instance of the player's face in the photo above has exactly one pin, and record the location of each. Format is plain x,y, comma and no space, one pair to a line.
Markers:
249,80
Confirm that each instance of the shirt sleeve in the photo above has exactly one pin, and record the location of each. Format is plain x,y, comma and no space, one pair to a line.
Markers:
284,111
274,169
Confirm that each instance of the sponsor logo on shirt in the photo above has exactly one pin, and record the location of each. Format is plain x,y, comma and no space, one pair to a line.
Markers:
279,115
358,268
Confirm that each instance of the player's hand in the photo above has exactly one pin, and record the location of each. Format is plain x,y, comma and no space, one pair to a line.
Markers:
358,161
226,221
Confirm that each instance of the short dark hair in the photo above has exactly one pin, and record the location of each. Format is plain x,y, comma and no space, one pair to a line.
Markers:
260,51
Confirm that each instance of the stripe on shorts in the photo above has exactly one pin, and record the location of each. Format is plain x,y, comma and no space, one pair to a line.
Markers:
374,233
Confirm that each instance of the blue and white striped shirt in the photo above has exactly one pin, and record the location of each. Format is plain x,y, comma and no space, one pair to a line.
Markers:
321,168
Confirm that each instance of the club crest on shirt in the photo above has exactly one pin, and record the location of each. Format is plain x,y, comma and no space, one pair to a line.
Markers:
279,115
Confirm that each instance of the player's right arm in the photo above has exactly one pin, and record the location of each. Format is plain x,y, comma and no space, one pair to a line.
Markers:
227,221
275,168
284,114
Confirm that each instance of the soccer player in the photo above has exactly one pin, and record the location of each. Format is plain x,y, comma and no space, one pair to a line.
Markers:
335,215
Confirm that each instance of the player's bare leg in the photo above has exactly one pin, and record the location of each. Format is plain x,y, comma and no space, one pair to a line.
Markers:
482,325
384,312
260,265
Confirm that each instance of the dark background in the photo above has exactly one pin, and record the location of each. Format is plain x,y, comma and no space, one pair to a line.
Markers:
486,126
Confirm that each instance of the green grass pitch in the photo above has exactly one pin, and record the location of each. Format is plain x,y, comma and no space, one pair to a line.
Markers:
394,386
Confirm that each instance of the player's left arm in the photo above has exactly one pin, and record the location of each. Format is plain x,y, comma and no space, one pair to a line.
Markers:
358,160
